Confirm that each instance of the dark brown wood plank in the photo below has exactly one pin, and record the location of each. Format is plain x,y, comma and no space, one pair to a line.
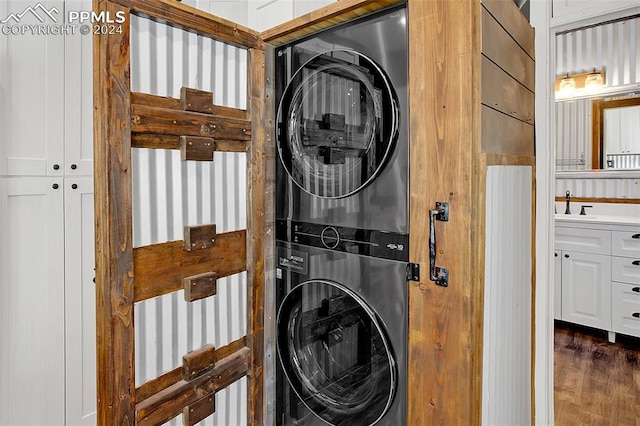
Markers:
138,98
500,48
193,148
597,134
196,100
199,237
503,134
155,141
198,362
160,268
444,359
113,224
169,403
191,19
333,14
255,233
200,286
146,119
172,377
199,410
514,22
502,92
146,99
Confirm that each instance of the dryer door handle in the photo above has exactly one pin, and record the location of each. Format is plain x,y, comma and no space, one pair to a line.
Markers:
436,274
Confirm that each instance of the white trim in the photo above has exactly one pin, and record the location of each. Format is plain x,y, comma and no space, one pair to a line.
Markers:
600,174
545,176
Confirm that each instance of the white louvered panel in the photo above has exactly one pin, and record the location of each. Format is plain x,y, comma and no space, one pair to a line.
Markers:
611,47
506,393
169,194
598,188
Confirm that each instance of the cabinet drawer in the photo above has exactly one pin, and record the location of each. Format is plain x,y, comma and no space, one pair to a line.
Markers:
583,240
624,303
623,270
623,243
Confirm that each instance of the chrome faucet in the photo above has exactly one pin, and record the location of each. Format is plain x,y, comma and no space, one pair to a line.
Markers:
568,196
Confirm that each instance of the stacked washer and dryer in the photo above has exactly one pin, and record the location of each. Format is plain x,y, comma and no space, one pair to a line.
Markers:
342,224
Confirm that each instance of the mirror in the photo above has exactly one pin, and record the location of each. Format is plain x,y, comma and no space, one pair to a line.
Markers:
598,133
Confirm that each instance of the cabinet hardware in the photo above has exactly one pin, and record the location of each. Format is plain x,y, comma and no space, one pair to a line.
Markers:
636,289
636,263
74,166
635,236
413,272
74,186
55,186
436,274
555,254
56,166
636,314
566,255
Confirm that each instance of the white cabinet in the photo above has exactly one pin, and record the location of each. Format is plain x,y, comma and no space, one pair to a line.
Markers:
586,289
265,14
32,302
626,281
557,285
47,301
46,105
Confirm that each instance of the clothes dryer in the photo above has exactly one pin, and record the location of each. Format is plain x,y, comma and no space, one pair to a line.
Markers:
342,131
341,326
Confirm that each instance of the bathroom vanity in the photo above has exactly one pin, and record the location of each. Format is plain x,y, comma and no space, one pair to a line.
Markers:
597,271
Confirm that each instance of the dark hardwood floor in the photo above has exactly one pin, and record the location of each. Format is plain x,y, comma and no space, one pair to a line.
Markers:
596,382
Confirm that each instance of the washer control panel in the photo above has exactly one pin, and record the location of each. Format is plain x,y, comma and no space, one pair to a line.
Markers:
366,242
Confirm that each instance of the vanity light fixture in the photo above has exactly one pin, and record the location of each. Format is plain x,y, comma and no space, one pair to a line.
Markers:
589,83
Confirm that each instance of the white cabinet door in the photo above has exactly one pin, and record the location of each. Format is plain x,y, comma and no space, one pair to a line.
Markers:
557,285
80,322
78,98
32,302
265,14
586,289
32,86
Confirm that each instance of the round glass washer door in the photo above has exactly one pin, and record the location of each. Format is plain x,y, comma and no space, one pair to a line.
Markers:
337,124
335,355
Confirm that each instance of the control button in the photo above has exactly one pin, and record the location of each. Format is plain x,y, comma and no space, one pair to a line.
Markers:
330,237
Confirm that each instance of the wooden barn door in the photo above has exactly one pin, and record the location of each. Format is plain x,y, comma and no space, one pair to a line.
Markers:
126,275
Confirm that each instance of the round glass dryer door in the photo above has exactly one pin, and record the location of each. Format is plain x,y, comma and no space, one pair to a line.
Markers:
337,124
335,355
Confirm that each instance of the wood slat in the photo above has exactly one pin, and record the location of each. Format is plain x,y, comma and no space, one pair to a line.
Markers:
333,14
514,22
199,362
255,249
169,403
113,224
601,200
199,237
160,268
200,286
503,134
196,100
444,346
146,99
501,49
195,412
147,119
155,141
597,134
193,148
191,19
501,92
174,376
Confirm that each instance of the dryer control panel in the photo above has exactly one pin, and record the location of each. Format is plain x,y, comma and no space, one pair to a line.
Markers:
365,242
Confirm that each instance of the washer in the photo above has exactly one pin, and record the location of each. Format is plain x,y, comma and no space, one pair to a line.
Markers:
342,131
341,296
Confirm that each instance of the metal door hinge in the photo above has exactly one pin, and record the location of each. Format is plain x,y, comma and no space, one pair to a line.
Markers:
413,272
